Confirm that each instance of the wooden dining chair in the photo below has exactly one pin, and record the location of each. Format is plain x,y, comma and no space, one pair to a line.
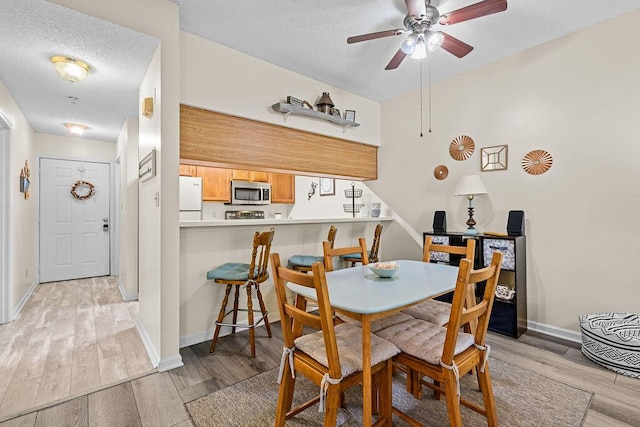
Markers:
250,276
304,262
331,357
435,311
373,253
331,252
445,354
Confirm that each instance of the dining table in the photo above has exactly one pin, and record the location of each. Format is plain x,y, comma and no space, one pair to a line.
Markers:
360,294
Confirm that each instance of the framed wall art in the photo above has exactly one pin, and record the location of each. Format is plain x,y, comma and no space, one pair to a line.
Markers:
493,158
327,186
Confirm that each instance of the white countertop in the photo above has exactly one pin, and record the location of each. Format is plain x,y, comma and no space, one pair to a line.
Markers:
272,221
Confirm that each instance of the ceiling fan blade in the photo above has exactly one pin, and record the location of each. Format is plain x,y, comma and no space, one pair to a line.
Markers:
371,36
416,8
477,10
455,46
396,60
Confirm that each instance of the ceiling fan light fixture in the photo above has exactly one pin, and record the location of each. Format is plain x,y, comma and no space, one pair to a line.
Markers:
420,51
434,40
72,70
408,45
76,129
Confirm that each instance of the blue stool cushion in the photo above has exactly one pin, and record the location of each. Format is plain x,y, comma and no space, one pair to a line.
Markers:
304,260
358,256
230,271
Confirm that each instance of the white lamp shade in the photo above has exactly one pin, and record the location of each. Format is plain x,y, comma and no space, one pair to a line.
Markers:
469,184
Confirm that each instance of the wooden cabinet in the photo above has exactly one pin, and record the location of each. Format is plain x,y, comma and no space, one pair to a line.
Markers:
283,188
245,175
216,184
188,170
509,313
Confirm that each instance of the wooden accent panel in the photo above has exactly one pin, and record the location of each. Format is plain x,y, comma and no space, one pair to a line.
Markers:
217,139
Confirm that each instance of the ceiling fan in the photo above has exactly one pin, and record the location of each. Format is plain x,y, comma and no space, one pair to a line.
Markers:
422,15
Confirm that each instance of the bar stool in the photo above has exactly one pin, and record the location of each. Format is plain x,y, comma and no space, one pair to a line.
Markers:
248,276
304,262
373,253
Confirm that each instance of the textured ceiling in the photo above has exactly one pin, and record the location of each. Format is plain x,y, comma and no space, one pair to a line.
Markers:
305,36
309,37
32,31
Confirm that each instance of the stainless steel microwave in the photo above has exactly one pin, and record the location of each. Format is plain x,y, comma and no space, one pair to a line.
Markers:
250,193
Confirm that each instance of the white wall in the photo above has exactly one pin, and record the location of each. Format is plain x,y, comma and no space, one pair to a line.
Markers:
23,213
576,97
218,78
70,147
127,146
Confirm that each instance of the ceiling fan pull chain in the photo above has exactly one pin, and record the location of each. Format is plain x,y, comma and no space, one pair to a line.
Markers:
421,103
429,59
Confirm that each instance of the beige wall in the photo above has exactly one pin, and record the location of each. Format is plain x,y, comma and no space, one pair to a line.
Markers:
23,213
217,78
576,97
69,147
158,18
127,147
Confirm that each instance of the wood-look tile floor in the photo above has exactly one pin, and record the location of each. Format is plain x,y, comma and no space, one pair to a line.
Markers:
71,338
158,399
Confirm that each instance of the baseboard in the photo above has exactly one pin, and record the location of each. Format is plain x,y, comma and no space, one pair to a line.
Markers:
554,331
170,363
125,296
151,350
24,300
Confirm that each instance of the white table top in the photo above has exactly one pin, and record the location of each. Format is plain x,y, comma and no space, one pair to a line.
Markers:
359,290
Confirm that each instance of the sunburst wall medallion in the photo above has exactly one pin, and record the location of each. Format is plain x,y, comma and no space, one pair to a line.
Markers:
462,147
441,172
537,162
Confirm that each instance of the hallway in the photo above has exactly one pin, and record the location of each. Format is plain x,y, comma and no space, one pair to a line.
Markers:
71,338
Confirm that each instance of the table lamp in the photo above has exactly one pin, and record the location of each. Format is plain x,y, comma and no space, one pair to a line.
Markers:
469,186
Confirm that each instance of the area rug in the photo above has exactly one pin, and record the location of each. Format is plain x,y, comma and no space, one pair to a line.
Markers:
523,398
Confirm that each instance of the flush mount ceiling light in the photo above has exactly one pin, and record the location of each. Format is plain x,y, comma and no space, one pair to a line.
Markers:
76,129
72,70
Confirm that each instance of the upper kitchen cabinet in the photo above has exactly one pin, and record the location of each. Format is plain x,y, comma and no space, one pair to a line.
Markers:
188,170
283,188
216,185
244,175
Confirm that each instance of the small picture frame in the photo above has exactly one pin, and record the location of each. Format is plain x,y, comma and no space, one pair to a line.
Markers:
350,115
335,112
493,158
327,186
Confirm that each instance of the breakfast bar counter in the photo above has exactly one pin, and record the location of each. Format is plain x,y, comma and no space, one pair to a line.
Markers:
275,222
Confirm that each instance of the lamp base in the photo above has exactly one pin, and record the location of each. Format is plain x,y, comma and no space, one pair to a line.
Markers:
471,232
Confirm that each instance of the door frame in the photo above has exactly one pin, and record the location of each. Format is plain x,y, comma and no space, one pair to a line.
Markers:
113,210
6,291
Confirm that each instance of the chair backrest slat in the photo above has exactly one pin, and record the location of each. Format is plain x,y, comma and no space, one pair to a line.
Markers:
261,248
330,252
375,246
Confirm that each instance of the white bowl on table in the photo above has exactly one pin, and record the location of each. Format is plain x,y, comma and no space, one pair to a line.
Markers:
384,269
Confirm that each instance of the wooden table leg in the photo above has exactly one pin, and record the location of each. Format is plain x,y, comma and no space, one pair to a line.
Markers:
366,372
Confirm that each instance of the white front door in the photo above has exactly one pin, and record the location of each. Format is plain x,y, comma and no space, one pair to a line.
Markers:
74,230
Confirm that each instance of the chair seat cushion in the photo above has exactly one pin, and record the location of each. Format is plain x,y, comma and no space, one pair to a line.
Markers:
349,340
304,260
613,341
423,340
352,256
431,311
231,271
380,324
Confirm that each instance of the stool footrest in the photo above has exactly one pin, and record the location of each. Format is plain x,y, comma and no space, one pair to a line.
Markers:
242,325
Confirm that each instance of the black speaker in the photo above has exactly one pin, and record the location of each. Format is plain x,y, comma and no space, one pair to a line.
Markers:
439,222
515,223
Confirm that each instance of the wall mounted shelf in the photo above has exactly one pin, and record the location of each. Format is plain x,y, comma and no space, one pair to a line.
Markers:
290,109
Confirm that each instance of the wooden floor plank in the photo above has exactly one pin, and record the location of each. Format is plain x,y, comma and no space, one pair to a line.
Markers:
19,397
28,420
70,413
114,406
596,419
158,401
191,372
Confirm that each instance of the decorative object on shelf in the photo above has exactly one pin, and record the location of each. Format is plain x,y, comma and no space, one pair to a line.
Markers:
294,101
493,158
82,190
307,105
335,112
470,185
462,147
25,175
312,190
441,172
287,109
327,186
537,162
147,107
350,115
325,103
354,193
375,210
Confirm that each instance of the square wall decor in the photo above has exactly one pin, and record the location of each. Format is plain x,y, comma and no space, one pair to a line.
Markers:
493,158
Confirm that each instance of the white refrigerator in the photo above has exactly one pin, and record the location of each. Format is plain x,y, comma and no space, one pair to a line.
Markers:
190,198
